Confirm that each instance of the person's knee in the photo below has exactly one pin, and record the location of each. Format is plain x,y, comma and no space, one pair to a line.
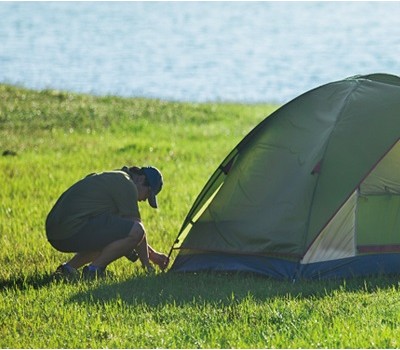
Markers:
137,232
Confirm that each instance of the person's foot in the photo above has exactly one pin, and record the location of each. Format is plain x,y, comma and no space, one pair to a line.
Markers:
93,273
65,272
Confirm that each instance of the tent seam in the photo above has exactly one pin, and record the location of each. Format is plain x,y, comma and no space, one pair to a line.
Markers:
345,104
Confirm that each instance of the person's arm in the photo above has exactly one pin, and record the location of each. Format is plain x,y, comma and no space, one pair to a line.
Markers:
142,249
157,258
144,252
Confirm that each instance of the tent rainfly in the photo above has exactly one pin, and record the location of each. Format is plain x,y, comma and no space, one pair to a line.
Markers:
311,192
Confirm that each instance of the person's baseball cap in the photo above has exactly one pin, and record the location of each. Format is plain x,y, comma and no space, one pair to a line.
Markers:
155,180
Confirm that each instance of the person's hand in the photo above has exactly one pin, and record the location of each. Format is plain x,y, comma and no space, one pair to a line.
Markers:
159,259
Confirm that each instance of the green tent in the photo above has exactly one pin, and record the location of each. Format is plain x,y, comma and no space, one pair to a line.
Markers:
313,191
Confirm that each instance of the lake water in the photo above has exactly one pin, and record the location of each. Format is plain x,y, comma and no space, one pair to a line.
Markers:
196,51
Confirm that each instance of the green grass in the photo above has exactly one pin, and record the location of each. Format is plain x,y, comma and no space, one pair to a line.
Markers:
59,137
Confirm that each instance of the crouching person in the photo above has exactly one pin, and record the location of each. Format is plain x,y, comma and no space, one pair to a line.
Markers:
98,219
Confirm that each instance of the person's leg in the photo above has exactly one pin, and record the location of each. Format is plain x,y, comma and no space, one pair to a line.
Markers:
82,258
122,247
69,269
102,240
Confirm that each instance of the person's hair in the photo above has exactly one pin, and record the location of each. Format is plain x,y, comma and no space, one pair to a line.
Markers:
139,171
136,170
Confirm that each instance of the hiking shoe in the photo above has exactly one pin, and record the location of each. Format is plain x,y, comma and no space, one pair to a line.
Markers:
98,273
65,272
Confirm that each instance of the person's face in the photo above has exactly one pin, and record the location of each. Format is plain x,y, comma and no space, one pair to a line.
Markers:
143,190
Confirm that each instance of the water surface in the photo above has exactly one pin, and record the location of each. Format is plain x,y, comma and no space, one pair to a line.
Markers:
196,51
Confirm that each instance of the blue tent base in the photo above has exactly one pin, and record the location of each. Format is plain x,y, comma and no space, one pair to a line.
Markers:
363,265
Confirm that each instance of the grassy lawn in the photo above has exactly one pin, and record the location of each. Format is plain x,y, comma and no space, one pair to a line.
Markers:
50,139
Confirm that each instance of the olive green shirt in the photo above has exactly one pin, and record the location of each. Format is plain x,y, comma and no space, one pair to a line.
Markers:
111,192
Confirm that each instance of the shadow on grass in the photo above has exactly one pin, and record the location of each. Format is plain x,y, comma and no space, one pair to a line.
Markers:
35,281
181,289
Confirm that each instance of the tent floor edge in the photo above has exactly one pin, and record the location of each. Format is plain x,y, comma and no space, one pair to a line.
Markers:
285,270
357,266
215,262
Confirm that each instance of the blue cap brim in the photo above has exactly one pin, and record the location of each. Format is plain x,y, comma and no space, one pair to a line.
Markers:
152,200
155,180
